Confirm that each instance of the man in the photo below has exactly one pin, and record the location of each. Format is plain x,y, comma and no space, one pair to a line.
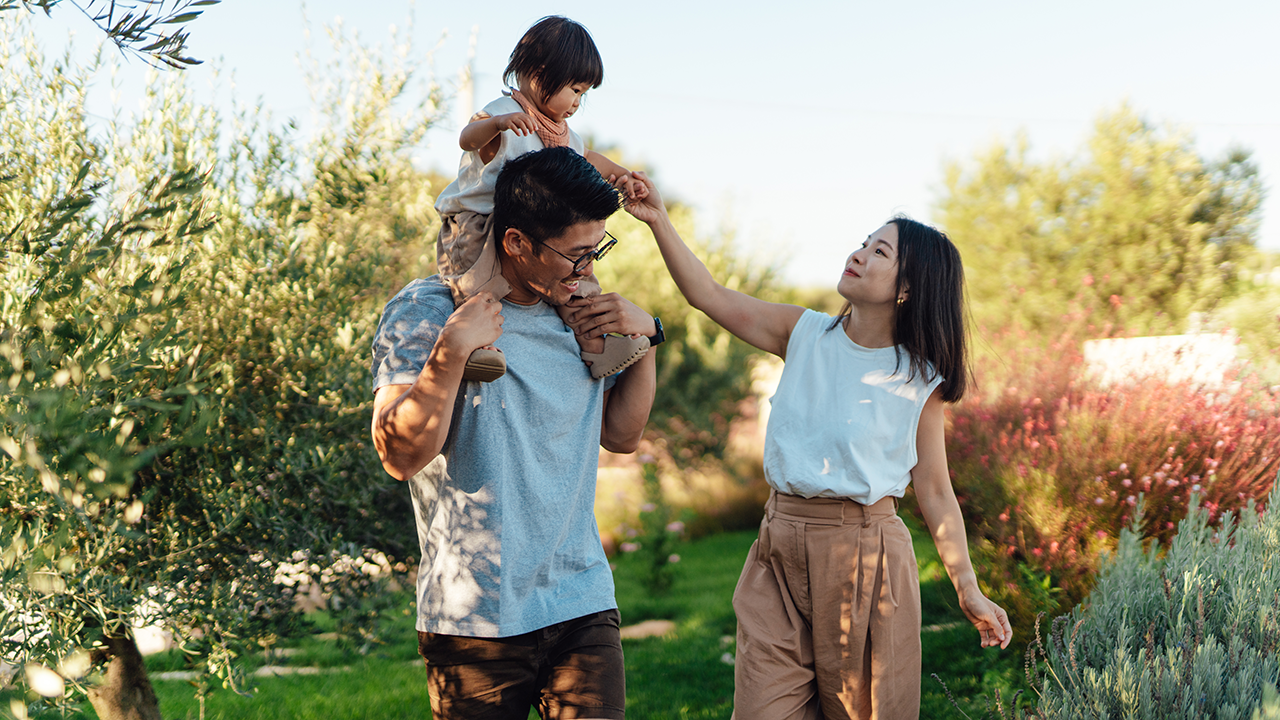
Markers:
515,597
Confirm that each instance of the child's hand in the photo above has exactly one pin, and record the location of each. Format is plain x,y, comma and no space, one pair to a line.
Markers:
990,619
632,189
517,122
647,206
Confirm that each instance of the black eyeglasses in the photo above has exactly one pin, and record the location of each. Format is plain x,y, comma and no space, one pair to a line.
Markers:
589,256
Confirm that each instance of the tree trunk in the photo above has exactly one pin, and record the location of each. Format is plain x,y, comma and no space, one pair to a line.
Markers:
125,692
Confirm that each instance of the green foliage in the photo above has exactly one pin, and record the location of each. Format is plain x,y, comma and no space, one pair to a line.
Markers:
1139,229
703,371
153,32
184,318
1191,632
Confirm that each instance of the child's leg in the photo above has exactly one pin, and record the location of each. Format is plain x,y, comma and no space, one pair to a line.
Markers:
468,263
466,257
608,354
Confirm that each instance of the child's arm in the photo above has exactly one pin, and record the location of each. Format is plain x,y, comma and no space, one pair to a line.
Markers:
763,324
942,513
482,133
621,177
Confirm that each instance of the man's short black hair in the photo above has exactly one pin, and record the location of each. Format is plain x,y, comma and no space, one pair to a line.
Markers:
545,192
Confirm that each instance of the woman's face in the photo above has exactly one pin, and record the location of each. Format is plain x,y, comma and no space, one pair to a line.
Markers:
871,272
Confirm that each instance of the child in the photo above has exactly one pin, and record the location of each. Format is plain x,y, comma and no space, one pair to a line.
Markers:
553,66
828,603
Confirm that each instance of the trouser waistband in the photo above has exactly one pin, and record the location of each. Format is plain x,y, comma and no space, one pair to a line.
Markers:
829,511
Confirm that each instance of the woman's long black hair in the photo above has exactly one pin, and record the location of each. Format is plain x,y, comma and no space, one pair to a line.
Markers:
930,323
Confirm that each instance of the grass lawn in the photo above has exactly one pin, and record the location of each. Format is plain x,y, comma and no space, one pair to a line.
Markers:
681,675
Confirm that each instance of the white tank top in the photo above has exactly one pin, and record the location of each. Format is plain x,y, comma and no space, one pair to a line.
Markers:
473,190
843,422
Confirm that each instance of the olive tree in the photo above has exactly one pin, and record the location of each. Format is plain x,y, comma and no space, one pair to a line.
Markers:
185,311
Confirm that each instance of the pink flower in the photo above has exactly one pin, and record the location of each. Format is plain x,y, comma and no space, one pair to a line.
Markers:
1126,482
629,547
648,507
1004,517
1053,546
673,558
1124,466
675,527
1132,500
1098,501
1037,552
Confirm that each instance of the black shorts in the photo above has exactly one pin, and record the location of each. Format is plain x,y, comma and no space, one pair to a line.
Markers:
568,670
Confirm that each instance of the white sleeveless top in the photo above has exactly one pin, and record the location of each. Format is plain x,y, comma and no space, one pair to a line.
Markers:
843,422
473,190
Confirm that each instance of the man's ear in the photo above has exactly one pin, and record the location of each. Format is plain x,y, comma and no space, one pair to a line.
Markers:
516,244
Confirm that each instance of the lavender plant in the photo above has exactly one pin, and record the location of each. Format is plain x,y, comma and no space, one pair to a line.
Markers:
1190,631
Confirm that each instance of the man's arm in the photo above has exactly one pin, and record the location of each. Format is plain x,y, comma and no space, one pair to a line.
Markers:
411,422
628,402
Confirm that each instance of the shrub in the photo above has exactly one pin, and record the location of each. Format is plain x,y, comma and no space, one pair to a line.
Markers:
186,307
1049,467
1191,632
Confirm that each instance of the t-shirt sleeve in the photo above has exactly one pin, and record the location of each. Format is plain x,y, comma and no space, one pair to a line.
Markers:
403,342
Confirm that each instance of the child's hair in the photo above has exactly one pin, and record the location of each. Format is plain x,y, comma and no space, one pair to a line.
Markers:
930,323
544,192
556,52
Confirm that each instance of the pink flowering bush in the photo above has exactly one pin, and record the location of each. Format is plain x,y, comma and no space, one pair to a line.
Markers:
1049,467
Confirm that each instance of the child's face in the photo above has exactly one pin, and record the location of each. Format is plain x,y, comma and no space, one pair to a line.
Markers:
562,105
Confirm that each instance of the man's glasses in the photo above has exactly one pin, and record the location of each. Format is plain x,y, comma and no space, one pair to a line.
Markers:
590,256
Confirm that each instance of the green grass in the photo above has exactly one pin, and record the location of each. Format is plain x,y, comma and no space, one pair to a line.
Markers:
681,675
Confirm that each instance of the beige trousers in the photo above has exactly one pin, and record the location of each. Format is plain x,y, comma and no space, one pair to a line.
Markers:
828,610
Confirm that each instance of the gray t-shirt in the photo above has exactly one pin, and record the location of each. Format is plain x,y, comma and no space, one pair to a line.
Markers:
505,514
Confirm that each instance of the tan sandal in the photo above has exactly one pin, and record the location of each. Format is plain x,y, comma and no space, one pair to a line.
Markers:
485,365
619,353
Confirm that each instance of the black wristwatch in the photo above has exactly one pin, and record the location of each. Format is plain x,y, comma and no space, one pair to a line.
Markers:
659,337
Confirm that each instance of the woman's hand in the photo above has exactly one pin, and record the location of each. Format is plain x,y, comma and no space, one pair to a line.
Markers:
990,619
647,206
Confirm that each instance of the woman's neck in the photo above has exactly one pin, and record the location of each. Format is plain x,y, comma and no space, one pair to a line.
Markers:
870,327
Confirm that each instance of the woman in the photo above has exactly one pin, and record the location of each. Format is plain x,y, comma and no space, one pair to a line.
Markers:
828,604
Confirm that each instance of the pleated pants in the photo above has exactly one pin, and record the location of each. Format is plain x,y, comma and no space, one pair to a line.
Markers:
828,610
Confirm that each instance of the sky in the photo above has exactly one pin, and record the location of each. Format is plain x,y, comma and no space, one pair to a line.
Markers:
801,126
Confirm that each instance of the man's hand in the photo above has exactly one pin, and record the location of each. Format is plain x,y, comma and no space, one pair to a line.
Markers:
647,207
608,313
474,324
517,122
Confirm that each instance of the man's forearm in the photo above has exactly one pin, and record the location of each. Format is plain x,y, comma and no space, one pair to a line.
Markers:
410,426
629,403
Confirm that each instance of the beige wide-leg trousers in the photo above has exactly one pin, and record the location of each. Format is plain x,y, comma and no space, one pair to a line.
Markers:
828,612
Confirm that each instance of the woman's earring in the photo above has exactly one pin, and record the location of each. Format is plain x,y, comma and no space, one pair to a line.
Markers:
901,299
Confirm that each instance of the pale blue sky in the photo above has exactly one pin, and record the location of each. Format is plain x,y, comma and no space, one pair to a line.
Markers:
804,125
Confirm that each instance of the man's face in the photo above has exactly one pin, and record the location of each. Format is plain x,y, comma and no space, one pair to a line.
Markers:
540,274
